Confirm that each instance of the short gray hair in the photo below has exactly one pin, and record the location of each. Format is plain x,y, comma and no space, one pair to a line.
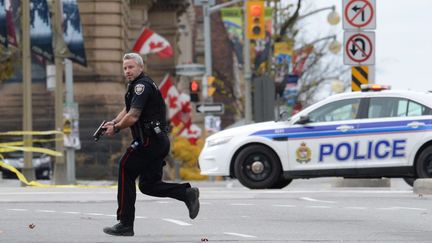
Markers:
134,56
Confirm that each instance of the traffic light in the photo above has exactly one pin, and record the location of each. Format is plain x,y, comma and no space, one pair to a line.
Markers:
255,26
210,88
194,91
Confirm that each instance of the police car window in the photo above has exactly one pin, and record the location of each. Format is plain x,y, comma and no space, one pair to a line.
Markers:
336,111
380,107
415,109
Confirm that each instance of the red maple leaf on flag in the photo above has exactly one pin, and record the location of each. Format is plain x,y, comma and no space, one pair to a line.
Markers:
185,107
172,101
154,45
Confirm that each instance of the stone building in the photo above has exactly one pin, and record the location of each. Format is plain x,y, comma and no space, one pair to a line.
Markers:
109,29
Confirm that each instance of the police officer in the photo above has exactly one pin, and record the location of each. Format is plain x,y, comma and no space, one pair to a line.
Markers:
145,115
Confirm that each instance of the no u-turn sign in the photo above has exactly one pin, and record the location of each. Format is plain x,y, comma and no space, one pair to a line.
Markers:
359,48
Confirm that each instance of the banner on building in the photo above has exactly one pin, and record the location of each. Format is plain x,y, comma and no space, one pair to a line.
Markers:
40,30
72,32
3,26
299,59
233,22
13,22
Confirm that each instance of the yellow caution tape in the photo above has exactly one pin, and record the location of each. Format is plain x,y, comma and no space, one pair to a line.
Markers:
18,146
30,149
24,180
20,133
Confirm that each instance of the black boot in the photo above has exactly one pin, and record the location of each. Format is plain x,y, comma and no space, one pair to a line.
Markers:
192,201
119,229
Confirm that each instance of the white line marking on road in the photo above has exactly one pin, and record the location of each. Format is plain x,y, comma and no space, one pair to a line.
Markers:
181,223
139,217
315,200
163,202
240,235
242,204
45,211
72,212
284,205
318,207
205,203
17,209
407,208
356,208
94,214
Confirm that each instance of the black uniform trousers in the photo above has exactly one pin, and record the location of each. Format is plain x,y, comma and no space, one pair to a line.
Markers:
144,160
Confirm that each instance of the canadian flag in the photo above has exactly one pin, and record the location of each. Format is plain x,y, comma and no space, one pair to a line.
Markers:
185,109
193,133
150,42
171,95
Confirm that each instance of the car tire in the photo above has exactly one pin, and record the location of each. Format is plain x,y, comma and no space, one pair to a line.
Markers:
424,163
281,183
409,180
257,167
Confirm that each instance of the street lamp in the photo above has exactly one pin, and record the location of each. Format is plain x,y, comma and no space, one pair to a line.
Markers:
334,46
333,17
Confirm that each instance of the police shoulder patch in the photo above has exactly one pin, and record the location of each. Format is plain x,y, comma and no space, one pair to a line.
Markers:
139,89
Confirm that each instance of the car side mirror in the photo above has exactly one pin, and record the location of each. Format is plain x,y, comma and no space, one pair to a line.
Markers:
303,119
283,115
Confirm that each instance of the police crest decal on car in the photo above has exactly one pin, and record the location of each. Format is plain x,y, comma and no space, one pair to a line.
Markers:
303,153
139,89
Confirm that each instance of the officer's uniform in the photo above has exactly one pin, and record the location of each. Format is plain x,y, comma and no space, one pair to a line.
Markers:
145,156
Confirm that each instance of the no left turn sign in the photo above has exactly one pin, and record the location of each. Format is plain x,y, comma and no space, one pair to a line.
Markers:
359,48
359,14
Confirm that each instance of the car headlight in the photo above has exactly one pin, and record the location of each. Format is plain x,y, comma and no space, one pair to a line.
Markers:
218,141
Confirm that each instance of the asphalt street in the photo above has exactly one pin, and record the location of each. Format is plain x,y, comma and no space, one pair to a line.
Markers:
305,211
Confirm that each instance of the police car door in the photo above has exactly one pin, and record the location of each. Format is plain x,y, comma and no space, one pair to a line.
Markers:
389,133
326,141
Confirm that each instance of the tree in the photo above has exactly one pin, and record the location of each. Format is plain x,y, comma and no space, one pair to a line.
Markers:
317,69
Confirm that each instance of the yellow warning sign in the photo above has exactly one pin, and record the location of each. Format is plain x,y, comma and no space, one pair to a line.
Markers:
359,75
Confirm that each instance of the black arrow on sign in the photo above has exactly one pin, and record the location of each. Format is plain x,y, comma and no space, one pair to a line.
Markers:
354,49
355,8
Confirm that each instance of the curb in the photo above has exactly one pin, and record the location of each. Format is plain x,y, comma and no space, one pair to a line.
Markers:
343,182
422,186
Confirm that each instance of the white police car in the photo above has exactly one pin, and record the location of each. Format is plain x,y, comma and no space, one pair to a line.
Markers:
370,134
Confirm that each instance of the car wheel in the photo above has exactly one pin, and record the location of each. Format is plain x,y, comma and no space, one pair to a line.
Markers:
409,180
281,183
424,163
257,167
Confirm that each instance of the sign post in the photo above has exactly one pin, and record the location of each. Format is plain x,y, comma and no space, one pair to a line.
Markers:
359,45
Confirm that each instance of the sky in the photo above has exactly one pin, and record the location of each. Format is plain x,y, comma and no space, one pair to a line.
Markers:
403,39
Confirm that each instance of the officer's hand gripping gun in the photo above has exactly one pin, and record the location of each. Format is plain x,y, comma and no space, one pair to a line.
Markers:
99,132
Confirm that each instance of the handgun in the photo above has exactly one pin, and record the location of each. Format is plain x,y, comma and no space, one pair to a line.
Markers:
99,132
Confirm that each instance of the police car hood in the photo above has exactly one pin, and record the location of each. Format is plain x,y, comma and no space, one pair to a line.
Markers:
249,129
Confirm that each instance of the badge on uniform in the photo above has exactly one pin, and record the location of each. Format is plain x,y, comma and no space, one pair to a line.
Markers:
139,89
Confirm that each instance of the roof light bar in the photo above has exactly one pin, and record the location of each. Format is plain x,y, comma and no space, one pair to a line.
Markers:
374,87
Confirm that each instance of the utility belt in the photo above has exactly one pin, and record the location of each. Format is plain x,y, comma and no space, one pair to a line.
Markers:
153,128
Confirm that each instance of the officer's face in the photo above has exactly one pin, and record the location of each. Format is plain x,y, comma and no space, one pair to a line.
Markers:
131,69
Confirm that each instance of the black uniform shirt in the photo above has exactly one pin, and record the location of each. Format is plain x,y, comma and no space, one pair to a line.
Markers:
143,93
